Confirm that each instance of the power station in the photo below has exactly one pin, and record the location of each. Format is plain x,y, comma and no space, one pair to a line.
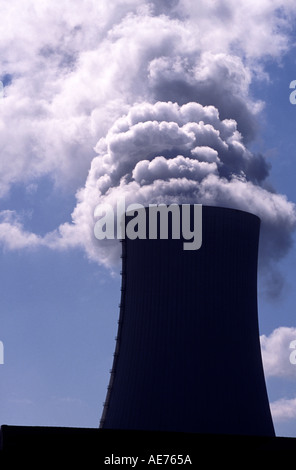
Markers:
187,354
187,375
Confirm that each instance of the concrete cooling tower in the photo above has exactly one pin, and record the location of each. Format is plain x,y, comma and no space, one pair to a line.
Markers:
187,355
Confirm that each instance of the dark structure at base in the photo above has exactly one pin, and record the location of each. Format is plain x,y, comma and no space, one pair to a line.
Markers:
188,357
187,377
91,447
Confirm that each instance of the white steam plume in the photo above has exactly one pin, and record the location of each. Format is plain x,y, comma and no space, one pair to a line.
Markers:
161,89
166,153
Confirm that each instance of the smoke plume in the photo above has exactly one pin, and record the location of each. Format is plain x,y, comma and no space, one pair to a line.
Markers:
147,100
167,153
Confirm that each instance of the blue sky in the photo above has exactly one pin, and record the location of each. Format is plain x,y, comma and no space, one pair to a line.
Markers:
58,326
70,76
277,139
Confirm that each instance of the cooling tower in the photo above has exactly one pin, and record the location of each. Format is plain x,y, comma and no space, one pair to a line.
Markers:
187,355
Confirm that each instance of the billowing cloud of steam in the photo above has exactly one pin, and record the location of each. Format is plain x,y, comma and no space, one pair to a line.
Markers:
160,89
166,153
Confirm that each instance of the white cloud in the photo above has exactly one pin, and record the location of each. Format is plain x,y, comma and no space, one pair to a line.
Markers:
76,68
178,167
150,160
12,234
283,409
276,353
243,25
105,75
